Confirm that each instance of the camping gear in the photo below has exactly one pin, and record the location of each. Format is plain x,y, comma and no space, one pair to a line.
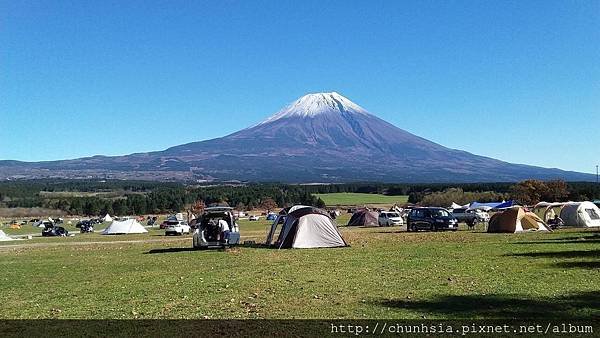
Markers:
129,226
306,227
580,214
86,228
364,217
107,218
516,220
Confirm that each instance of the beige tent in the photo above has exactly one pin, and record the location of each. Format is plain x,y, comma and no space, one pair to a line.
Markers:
546,211
580,214
516,220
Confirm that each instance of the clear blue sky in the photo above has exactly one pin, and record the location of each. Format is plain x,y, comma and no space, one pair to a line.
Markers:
514,80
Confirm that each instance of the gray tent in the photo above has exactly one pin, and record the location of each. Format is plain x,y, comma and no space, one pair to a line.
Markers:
364,217
306,227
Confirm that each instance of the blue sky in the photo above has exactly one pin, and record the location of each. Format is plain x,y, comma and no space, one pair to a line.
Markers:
514,80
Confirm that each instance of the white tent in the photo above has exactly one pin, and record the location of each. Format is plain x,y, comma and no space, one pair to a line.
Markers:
107,218
546,211
454,205
580,214
308,227
4,237
130,226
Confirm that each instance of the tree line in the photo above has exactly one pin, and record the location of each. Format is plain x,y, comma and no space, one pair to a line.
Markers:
141,197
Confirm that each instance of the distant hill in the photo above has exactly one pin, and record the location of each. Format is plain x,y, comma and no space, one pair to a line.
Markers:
322,137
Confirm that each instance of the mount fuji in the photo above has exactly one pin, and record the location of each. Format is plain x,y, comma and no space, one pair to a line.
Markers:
321,137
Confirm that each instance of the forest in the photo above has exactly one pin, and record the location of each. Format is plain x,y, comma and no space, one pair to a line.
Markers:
88,197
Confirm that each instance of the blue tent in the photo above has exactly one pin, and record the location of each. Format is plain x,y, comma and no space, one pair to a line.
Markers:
507,204
487,206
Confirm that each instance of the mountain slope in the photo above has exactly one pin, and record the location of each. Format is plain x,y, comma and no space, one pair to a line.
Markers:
319,137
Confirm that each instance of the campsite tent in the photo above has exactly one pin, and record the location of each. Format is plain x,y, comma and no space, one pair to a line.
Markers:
547,211
455,205
516,220
129,226
280,219
580,214
4,237
306,227
364,217
107,218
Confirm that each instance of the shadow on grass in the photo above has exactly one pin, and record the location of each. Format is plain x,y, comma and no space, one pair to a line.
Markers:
582,305
578,265
586,239
173,250
170,250
560,254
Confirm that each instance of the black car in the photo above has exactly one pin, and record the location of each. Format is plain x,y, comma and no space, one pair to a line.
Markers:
55,231
432,219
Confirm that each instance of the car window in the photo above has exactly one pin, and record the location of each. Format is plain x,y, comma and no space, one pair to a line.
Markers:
459,211
439,213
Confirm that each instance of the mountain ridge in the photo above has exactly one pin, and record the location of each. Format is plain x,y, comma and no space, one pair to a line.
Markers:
318,137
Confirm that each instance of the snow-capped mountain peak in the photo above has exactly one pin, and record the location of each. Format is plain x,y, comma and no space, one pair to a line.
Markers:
314,104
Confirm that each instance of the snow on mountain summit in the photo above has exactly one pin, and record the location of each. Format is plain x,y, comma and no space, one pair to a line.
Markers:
312,105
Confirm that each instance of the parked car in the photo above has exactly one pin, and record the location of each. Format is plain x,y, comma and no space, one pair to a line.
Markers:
208,233
471,217
174,227
86,228
432,219
55,231
253,218
390,218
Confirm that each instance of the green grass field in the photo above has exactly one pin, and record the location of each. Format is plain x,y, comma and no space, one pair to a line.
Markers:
347,198
385,273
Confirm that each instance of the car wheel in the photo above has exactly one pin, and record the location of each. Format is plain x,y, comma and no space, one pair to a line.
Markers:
431,227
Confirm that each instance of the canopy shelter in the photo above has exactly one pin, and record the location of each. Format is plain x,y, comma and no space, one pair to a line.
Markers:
364,217
306,227
506,205
484,206
516,220
107,218
580,214
129,226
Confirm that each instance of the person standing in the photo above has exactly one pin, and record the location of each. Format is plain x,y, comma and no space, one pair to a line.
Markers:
224,228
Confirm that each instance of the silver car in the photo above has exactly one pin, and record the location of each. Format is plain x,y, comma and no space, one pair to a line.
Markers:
208,233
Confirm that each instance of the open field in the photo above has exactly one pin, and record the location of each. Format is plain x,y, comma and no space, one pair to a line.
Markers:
385,273
346,198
